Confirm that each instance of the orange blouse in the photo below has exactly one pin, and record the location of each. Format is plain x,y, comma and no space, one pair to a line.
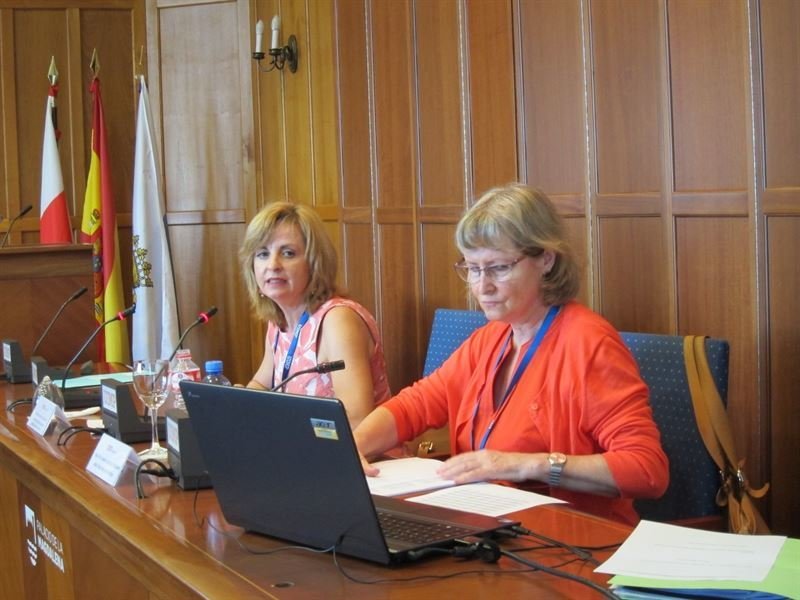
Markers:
581,394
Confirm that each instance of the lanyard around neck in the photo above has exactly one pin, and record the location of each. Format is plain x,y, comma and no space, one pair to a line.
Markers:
287,363
523,364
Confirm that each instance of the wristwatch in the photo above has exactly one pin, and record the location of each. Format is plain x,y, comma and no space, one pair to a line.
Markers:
557,461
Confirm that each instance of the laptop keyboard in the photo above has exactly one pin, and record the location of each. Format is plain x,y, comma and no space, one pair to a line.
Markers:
411,531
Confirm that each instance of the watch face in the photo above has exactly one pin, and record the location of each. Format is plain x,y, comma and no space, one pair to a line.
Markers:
557,458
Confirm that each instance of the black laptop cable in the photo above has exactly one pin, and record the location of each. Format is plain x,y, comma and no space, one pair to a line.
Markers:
66,435
559,573
485,549
162,471
581,553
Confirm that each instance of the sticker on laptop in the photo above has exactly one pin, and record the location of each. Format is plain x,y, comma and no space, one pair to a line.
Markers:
324,429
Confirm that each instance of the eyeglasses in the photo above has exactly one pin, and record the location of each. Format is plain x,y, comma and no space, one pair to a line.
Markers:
495,273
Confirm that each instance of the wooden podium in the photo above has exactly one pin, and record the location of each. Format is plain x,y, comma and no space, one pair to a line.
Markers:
34,282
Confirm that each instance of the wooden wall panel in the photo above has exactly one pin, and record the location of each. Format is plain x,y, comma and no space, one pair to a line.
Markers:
323,102
394,90
401,312
357,259
715,298
297,108
784,288
354,105
8,130
708,53
627,96
441,113
491,95
200,90
781,56
442,287
553,114
634,293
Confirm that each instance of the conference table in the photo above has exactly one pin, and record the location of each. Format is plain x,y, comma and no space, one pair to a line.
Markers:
66,534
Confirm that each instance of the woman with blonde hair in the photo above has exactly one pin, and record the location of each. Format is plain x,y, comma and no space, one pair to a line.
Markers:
289,265
546,391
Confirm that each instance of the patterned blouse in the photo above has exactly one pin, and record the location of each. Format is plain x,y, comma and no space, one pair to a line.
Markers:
305,355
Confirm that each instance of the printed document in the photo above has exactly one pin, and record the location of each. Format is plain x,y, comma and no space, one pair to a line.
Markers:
663,551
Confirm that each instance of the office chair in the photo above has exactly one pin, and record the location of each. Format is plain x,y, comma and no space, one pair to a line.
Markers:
449,329
694,478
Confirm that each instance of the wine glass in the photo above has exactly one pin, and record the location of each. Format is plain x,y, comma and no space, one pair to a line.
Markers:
150,378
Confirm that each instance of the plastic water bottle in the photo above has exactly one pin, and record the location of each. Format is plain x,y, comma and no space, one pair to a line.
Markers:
182,368
214,373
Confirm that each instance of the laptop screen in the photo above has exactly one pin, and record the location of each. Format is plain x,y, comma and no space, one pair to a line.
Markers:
286,465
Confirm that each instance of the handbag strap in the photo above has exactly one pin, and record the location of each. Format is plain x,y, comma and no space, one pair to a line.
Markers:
712,422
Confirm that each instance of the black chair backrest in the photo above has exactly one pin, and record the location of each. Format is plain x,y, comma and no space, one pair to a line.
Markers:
694,478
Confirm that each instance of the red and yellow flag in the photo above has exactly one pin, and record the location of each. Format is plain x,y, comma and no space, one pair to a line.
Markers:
99,227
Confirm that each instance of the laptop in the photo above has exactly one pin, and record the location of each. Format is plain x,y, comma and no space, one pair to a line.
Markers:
286,466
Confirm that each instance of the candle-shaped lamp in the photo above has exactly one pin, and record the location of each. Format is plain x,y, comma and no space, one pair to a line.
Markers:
259,38
276,32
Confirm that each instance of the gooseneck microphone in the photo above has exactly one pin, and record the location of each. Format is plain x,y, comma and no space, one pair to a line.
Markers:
72,298
21,214
203,317
323,367
120,316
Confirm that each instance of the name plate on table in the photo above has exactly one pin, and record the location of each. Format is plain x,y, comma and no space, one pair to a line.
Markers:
109,459
44,411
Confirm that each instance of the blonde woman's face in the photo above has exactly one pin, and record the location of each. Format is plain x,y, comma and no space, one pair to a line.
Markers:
280,267
516,296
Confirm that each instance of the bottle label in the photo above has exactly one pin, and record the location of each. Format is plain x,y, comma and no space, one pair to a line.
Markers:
178,376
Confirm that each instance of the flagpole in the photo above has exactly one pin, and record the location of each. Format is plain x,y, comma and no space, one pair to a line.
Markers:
52,77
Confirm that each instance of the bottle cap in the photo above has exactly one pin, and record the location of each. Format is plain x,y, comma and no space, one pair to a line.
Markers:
214,366
183,353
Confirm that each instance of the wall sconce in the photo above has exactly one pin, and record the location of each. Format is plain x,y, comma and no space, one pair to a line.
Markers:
280,55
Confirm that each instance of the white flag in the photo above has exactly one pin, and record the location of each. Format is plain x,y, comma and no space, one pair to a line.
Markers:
155,322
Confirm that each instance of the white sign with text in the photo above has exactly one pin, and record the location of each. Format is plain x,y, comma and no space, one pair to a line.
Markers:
44,411
110,458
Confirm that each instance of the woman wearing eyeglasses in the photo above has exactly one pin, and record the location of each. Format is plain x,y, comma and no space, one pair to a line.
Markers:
546,391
